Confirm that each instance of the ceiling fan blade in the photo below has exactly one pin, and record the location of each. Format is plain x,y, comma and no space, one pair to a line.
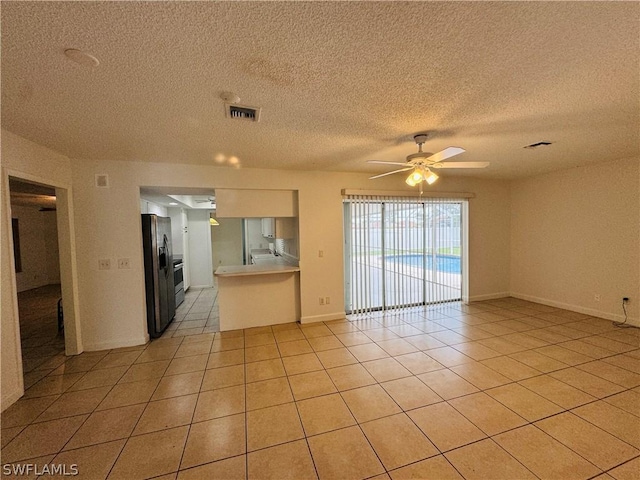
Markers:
382,162
389,173
446,153
460,165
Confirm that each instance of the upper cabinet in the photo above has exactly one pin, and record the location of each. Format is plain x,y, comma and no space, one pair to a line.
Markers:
269,227
282,227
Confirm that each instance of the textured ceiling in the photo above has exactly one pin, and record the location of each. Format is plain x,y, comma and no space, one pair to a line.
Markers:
338,82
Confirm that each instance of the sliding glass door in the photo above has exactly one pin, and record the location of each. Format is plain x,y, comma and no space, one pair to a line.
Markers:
402,252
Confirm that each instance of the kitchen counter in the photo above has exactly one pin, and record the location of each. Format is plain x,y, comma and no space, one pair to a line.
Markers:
266,293
259,268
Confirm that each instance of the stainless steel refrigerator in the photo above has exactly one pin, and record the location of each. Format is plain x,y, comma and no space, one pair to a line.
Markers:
158,272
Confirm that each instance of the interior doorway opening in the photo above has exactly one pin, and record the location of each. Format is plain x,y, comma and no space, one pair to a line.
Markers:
36,253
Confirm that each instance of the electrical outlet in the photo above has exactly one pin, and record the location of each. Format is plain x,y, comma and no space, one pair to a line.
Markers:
321,253
104,264
321,300
327,300
124,263
596,297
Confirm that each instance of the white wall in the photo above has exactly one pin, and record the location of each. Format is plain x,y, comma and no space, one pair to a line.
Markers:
154,208
200,266
226,242
253,236
177,230
27,160
576,234
38,247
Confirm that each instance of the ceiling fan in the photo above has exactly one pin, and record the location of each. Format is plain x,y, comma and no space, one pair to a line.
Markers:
421,163
211,200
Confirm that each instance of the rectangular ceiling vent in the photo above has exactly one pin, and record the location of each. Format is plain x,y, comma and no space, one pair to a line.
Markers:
243,112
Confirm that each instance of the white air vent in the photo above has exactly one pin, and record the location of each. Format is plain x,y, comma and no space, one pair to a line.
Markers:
102,180
243,112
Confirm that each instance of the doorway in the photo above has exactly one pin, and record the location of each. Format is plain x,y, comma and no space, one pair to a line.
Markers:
35,280
403,252
37,273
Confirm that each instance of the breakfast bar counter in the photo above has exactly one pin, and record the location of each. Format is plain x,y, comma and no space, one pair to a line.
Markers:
243,270
258,295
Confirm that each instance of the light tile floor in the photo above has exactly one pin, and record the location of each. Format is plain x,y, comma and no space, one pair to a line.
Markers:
42,343
497,389
197,314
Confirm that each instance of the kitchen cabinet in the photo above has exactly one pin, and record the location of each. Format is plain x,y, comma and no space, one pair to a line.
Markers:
269,227
281,227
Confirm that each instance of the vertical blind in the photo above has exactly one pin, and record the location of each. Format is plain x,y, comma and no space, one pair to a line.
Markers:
401,251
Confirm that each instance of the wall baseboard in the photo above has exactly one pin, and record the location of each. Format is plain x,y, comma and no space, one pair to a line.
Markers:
488,296
323,318
92,347
577,308
9,399
200,287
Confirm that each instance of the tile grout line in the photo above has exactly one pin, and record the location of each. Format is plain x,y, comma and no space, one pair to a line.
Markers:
334,334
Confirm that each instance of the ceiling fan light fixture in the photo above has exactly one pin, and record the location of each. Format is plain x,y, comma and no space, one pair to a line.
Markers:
431,177
421,163
420,175
414,178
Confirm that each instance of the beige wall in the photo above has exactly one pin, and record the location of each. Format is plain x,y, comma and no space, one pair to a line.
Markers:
558,238
107,225
52,254
575,234
199,239
28,161
38,247
113,301
226,242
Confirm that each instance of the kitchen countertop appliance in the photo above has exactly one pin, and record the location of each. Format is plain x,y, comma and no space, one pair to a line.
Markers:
158,273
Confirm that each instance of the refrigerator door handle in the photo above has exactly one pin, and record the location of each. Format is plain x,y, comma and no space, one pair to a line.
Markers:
163,261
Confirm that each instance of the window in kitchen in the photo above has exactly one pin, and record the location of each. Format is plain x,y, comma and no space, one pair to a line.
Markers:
403,251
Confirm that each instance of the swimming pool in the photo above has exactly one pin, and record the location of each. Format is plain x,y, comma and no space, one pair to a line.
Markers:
444,263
